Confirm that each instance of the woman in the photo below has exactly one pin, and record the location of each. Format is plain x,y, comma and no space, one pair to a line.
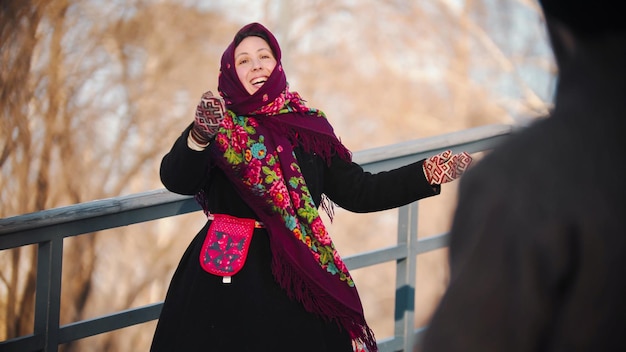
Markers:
263,273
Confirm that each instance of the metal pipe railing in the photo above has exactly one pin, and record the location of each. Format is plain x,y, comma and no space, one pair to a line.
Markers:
48,228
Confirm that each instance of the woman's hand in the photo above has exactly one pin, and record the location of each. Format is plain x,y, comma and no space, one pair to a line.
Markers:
445,167
209,113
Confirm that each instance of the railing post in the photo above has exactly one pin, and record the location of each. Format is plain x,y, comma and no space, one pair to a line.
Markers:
405,276
48,292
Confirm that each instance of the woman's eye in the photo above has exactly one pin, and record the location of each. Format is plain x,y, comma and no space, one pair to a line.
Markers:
242,61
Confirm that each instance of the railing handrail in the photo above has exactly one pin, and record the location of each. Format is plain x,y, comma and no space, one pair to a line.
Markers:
89,217
366,158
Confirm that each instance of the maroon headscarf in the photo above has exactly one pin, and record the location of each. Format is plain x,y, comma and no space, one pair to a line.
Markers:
254,147
230,87
314,135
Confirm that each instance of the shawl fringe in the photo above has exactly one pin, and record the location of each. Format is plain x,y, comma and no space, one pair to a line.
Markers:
323,145
316,301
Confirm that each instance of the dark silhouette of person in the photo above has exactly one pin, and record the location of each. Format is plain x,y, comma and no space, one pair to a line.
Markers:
538,241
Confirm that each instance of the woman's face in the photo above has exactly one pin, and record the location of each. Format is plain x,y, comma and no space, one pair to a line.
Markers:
254,62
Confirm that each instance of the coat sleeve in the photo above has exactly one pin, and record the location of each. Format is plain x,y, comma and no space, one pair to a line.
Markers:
356,190
184,170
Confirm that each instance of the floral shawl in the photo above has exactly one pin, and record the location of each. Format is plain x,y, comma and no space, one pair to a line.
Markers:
254,147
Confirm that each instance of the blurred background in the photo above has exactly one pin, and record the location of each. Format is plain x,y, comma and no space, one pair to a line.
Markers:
93,93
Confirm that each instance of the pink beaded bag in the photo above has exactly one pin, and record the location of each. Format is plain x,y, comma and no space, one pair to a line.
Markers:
226,244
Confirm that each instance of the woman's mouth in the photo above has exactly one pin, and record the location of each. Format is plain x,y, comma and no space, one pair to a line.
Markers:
258,81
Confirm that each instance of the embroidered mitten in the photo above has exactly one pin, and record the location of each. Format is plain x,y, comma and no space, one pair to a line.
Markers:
209,113
445,167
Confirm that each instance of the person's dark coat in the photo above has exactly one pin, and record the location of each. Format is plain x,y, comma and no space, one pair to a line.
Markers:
538,241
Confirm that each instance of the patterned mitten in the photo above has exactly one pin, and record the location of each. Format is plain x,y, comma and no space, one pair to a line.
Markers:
445,167
209,113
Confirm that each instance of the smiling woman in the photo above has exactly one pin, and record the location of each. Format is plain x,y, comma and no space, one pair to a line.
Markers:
263,273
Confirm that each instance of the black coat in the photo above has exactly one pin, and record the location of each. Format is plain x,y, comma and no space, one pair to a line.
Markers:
538,241
253,313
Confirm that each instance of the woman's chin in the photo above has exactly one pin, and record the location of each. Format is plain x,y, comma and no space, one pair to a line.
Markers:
253,89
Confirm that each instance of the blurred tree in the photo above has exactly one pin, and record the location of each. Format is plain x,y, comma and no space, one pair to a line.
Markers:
92,96
18,21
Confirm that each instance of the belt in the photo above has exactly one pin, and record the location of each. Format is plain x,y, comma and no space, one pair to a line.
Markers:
257,224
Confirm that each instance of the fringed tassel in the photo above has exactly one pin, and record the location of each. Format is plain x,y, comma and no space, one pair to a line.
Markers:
201,199
357,346
324,145
366,342
297,289
328,206
313,301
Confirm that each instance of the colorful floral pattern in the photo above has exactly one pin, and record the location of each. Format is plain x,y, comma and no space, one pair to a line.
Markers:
260,166
286,102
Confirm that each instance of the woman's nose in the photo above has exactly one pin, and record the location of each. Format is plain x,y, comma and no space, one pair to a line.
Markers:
256,64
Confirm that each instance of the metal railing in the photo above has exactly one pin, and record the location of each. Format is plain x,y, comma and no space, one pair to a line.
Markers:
47,229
